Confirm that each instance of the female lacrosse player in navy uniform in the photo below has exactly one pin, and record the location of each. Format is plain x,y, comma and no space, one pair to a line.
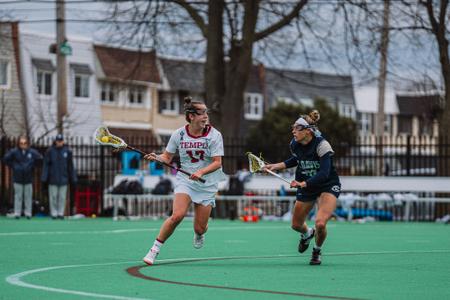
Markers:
316,181
200,147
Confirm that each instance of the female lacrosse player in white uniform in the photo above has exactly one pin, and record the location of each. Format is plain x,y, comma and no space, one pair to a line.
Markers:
200,147
316,180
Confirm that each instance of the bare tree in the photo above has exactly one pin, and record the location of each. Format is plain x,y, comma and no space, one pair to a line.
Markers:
3,113
45,120
439,20
230,30
420,22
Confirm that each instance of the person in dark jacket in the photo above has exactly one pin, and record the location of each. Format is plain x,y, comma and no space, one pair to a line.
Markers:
22,161
58,171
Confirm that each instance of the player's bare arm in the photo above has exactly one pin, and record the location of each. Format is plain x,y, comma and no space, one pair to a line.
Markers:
164,157
216,164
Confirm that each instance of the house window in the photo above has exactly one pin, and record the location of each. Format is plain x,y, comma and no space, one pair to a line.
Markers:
108,93
170,104
136,95
82,86
44,82
388,124
4,73
405,125
253,106
347,110
365,123
425,126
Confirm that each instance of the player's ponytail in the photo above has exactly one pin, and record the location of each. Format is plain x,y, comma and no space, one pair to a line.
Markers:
313,117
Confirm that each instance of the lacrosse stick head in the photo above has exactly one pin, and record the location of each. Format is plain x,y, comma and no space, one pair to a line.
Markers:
103,137
255,163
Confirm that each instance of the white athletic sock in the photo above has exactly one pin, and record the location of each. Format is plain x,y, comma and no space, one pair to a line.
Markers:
308,233
317,248
158,244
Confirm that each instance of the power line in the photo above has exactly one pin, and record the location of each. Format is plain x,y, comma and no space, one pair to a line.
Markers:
105,21
281,2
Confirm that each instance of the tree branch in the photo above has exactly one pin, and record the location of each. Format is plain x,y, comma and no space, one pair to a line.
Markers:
443,13
403,28
433,21
194,15
281,23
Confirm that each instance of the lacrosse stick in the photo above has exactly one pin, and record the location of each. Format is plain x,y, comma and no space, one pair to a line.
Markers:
256,164
103,137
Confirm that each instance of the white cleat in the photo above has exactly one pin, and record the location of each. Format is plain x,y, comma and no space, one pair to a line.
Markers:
198,241
151,256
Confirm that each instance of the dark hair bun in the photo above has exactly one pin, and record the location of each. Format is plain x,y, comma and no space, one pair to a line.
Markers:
187,100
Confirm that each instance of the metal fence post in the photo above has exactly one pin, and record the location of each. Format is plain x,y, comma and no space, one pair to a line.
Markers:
102,175
408,155
3,175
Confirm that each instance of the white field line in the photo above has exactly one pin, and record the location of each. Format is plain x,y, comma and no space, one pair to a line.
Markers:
17,279
118,231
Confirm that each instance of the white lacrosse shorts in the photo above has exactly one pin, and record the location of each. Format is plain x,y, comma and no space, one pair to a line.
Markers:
204,195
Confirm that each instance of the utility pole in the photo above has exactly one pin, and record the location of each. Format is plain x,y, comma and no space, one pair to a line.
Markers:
383,69
382,86
61,66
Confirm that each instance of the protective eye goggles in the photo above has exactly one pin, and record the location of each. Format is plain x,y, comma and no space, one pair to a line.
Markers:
299,127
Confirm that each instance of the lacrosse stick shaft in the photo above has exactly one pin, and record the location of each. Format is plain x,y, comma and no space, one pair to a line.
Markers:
164,163
278,176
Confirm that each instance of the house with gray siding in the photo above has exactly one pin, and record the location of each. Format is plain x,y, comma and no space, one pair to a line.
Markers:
183,78
38,65
13,121
418,113
303,87
366,98
180,78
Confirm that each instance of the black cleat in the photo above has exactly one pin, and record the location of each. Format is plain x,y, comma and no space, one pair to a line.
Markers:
304,243
315,258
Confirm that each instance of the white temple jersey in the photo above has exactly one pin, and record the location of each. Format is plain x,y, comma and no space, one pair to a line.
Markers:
197,152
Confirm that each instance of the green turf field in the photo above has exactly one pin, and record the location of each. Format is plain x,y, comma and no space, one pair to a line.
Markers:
101,259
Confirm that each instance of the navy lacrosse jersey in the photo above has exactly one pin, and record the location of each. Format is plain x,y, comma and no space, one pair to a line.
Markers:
314,163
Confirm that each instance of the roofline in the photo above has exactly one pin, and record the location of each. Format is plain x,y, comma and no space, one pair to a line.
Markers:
181,59
421,93
305,71
129,81
124,48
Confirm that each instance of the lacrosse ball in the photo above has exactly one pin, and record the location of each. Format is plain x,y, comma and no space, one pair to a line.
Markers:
105,139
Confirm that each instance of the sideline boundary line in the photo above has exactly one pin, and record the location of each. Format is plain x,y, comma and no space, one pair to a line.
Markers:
119,231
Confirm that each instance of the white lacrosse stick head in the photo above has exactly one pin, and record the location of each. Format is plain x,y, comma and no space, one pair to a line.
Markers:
255,163
103,137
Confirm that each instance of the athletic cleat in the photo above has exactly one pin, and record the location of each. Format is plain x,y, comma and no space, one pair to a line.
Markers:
315,258
149,259
198,241
304,242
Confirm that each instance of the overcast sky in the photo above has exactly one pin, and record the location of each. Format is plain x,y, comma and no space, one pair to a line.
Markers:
40,16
